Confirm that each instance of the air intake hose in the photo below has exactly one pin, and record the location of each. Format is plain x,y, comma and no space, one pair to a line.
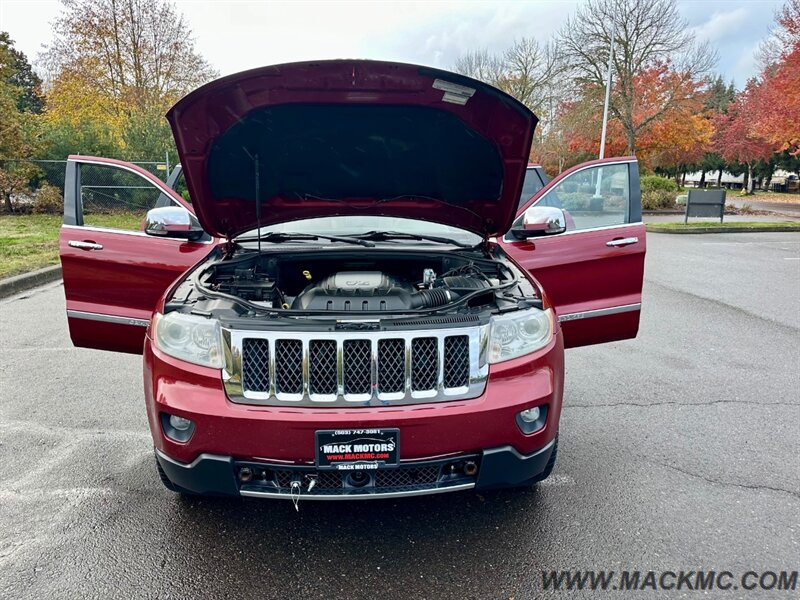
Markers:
432,298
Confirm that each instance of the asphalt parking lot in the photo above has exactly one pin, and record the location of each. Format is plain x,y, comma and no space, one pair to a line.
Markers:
679,450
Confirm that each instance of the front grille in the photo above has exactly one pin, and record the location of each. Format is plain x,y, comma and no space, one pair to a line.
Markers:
334,369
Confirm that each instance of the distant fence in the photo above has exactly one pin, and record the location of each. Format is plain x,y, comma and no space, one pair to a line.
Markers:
103,189
52,171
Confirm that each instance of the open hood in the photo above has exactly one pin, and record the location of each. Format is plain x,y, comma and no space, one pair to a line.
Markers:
352,137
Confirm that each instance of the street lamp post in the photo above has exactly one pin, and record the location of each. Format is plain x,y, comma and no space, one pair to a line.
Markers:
597,194
608,92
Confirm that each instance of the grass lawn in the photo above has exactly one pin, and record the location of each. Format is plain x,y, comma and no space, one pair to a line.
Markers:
778,225
30,242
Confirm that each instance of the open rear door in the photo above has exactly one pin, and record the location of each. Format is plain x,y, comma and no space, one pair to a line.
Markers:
593,272
114,273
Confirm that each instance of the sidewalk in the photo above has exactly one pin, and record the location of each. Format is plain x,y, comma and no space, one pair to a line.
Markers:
728,218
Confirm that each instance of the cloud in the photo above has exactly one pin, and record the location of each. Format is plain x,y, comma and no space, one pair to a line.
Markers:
721,25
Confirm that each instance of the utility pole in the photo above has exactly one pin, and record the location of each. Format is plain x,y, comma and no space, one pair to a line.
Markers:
608,91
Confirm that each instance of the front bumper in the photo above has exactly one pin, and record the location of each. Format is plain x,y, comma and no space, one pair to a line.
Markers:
217,475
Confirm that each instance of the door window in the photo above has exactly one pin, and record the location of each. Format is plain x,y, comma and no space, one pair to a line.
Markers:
597,196
117,198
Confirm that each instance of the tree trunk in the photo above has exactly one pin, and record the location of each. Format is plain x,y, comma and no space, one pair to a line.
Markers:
747,184
719,178
631,142
702,182
683,177
7,202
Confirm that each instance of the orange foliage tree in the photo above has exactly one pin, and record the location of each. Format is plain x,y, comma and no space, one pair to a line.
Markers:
666,137
775,102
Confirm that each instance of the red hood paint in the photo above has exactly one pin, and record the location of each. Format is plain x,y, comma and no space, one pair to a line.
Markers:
222,127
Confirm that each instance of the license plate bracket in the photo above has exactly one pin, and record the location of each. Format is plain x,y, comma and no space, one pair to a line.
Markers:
357,449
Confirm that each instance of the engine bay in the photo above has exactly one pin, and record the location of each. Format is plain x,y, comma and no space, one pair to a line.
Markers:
382,282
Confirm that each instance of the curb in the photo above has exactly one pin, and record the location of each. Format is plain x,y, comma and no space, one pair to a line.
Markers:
26,281
722,229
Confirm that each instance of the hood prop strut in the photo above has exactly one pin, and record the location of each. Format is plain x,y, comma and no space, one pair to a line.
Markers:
258,205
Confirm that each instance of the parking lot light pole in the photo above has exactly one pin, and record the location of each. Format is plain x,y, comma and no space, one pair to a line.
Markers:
597,195
608,92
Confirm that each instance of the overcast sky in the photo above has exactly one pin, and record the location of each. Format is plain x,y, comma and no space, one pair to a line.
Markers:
241,34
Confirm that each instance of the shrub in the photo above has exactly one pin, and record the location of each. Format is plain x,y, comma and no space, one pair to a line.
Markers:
657,199
48,200
655,183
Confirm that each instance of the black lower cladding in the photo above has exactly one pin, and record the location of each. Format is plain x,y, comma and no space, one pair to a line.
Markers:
500,467
408,477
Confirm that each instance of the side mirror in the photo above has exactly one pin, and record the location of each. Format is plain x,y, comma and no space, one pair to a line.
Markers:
172,222
539,221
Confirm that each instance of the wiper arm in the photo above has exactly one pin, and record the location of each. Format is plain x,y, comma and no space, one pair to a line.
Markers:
278,237
400,235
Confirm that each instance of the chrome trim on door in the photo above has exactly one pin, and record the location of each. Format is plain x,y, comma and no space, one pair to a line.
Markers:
623,242
85,245
104,318
600,312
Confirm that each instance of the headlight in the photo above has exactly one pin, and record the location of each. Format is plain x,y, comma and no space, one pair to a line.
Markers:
194,339
519,333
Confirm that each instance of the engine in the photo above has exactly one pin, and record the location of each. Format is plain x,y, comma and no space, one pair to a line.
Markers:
391,283
356,290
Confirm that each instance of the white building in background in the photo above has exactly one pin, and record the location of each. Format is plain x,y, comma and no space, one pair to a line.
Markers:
780,179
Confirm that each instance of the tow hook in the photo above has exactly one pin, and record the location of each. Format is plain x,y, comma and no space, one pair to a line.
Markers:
296,489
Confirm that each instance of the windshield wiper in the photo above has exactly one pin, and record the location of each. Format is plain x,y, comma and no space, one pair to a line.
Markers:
400,235
278,237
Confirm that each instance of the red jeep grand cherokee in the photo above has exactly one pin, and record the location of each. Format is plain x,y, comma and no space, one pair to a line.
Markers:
356,303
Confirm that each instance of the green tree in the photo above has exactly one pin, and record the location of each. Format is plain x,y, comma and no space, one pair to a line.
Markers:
19,139
120,65
18,73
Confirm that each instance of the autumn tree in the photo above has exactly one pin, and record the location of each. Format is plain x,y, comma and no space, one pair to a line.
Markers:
121,64
735,138
679,137
775,100
647,34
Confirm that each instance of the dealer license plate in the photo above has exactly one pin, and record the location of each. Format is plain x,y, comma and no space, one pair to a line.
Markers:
358,449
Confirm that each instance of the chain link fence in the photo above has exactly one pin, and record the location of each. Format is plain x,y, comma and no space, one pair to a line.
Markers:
37,185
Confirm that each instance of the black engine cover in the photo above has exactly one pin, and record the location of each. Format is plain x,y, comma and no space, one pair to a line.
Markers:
355,291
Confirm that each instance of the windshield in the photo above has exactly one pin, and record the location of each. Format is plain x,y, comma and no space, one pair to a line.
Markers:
357,225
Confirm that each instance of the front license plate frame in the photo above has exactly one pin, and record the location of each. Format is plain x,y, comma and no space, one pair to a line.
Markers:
357,449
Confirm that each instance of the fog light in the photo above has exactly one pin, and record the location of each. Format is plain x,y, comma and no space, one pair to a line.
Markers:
182,424
530,415
532,419
179,429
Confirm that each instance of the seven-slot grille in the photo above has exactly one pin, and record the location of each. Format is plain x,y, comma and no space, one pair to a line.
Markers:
358,369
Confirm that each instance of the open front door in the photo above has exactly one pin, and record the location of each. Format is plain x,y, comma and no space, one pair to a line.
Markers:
114,273
592,273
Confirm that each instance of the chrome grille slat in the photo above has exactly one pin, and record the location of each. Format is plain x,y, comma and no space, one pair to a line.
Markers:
255,353
382,368
289,367
357,364
322,378
456,361
391,365
424,364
